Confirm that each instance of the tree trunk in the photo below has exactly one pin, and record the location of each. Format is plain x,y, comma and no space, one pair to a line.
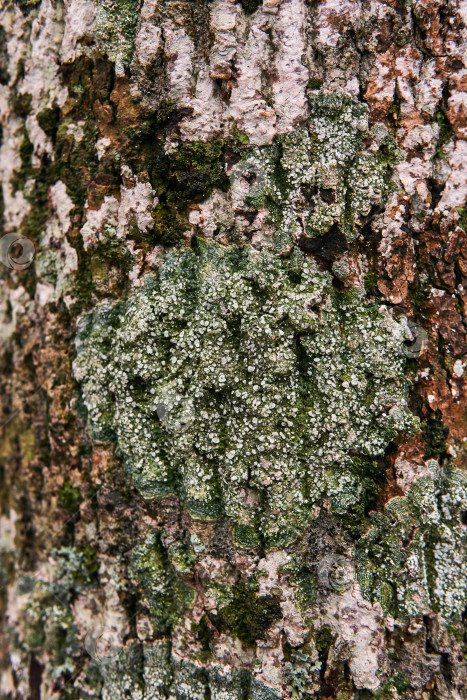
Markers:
233,397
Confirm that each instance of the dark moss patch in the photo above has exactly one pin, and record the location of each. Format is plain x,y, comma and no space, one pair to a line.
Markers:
435,434
48,120
69,497
91,562
21,103
26,150
165,591
445,128
205,632
327,247
324,640
370,281
314,84
250,6
248,616
462,211
186,175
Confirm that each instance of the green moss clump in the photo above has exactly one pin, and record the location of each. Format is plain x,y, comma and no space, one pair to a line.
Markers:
434,434
248,616
445,129
414,556
69,497
184,175
324,639
241,382
370,281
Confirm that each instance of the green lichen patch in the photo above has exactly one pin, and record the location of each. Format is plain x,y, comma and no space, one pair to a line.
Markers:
45,622
164,589
413,559
241,382
320,178
115,24
26,150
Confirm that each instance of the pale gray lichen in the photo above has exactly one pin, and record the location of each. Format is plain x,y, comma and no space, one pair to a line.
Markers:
240,381
151,672
321,176
413,559
43,622
115,25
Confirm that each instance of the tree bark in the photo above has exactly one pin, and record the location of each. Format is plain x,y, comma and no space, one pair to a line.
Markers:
233,264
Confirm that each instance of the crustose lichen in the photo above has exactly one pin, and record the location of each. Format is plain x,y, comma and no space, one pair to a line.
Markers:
241,382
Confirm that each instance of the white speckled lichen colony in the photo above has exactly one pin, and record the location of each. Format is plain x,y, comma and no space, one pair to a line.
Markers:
243,382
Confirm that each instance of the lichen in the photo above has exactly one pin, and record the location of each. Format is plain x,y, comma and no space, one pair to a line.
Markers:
320,176
44,620
242,382
116,23
412,560
164,589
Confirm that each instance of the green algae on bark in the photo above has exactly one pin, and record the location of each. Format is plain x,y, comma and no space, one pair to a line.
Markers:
243,382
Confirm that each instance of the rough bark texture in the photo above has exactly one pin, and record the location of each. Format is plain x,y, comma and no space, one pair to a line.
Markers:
233,397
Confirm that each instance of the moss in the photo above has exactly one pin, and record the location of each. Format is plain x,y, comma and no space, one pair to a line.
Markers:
250,6
445,128
324,639
240,136
69,497
205,634
434,434
49,119
314,83
248,616
370,281
258,427
180,177
462,211
397,683
21,103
